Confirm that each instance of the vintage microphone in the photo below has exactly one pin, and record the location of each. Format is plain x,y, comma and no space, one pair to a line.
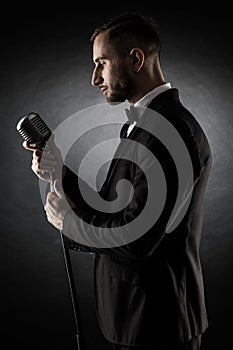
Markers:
34,130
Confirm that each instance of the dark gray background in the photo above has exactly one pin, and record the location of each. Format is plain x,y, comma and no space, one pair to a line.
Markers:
46,66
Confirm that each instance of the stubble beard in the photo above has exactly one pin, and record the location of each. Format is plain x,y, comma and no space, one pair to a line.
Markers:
120,90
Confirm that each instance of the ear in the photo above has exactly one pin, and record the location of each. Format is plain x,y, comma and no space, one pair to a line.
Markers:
137,59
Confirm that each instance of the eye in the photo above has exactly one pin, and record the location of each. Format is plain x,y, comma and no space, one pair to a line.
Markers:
100,64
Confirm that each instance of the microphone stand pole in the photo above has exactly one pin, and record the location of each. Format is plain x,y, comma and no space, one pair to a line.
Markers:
74,299
71,282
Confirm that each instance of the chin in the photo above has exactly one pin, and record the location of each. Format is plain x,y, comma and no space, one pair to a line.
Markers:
113,103
115,99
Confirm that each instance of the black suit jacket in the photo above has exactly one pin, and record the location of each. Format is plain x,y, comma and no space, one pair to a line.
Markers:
149,290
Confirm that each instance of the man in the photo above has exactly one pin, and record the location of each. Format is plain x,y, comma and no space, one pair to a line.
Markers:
149,290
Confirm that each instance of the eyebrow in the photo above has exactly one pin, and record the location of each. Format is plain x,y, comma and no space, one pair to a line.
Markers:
100,58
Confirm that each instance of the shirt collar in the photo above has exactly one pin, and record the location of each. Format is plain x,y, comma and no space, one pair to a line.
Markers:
145,100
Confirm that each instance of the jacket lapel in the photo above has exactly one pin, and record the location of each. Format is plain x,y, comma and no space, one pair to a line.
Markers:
155,105
124,143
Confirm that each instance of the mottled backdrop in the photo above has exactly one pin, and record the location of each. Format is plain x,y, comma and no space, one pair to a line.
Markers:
46,66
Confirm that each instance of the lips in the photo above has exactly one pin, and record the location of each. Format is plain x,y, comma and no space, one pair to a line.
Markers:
103,88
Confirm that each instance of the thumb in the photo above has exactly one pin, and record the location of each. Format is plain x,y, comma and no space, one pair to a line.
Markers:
27,146
58,190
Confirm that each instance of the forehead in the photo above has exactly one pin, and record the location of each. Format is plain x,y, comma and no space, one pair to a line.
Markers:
101,46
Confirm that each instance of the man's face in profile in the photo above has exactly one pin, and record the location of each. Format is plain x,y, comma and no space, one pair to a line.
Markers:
112,71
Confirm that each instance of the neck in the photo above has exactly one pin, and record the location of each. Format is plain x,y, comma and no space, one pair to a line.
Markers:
137,96
144,84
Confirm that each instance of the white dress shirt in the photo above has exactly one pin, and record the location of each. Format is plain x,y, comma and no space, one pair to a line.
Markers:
146,100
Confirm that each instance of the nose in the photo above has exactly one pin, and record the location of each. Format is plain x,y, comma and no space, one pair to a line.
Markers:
96,79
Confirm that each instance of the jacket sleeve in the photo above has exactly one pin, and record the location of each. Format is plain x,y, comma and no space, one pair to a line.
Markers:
111,233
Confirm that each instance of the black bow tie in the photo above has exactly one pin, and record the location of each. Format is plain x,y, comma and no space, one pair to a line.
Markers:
132,117
131,114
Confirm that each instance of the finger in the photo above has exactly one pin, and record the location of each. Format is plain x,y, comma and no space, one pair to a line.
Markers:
49,214
47,156
49,164
58,189
51,199
43,158
44,169
36,163
29,147
38,152
49,208
41,163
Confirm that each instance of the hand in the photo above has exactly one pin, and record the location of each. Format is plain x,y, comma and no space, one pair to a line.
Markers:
57,206
44,163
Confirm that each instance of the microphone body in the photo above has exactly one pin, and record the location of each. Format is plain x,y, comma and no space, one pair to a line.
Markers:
35,131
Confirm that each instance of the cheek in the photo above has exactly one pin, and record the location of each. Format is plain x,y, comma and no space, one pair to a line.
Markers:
113,75
116,76
107,75
122,78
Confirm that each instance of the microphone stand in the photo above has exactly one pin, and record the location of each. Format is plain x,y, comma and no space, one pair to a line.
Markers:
33,129
74,300
71,282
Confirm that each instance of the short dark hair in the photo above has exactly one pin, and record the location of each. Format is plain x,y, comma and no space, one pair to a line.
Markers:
130,30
